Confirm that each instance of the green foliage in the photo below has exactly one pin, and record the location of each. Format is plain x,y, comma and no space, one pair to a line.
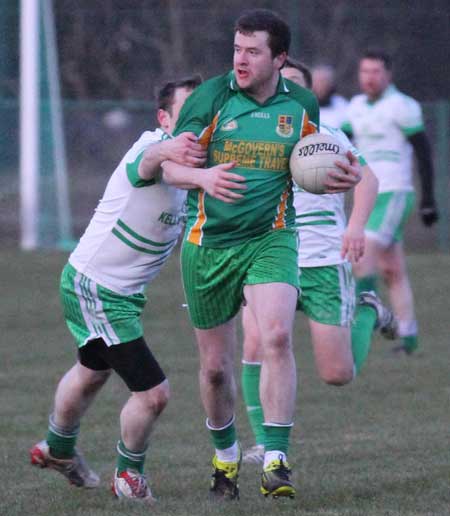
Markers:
376,447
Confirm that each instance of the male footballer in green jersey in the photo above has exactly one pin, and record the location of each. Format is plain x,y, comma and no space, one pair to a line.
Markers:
241,245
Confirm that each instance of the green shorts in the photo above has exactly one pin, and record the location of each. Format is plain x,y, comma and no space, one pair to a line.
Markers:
214,278
92,311
389,216
328,294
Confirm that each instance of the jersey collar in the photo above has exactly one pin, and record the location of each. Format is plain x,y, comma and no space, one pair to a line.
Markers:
386,93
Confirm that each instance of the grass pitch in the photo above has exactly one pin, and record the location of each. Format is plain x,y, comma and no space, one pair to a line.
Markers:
377,447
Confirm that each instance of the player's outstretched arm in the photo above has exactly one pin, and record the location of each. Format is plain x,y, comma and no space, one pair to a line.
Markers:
346,178
364,196
217,181
428,208
182,149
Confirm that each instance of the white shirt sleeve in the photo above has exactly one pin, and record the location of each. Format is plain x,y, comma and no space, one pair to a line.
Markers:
408,115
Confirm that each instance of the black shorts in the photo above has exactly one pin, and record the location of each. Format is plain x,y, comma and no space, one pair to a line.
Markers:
132,361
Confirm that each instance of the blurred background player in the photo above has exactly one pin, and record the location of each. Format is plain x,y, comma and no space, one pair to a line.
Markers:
388,126
134,229
332,105
341,335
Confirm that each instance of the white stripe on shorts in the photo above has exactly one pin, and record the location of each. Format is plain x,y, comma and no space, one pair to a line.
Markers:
347,291
392,218
92,310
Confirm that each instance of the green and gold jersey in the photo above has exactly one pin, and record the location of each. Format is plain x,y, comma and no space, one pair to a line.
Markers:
259,138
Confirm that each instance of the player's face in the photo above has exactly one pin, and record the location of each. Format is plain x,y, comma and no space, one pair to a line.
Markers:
373,77
168,120
294,75
255,68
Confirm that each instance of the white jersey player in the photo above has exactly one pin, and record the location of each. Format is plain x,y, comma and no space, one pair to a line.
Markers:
387,126
134,229
321,219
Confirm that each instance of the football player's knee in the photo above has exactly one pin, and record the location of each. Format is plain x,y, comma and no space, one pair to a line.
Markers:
337,376
279,338
392,273
96,380
216,377
158,397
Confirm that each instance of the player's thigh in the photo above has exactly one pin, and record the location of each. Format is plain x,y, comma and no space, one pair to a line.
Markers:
213,281
387,221
271,283
368,263
214,278
132,361
273,305
94,312
251,348
328,294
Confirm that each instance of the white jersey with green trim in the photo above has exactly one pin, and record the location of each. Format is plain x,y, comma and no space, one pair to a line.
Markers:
320,219
380,130
135,226
334,114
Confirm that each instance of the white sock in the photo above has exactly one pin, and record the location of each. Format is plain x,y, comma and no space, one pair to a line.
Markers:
269,456
407,328
230,454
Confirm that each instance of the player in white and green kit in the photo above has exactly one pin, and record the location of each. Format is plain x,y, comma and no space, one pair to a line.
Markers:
246,246
388,128
341,338
132,233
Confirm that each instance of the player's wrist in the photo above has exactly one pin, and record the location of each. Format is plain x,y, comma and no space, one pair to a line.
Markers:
164,151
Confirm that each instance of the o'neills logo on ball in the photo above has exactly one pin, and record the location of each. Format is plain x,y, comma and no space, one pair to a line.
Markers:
315,148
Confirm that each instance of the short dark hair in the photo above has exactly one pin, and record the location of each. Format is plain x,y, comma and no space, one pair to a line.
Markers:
166,93
302,68
379,55
269,21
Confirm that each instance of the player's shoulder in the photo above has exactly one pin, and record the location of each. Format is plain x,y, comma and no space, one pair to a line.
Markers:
206,99
299,93
305,98
338,101
357,101
401,99
148,137
218,87
145,139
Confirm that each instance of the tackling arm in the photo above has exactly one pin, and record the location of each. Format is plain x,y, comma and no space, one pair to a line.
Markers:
182,149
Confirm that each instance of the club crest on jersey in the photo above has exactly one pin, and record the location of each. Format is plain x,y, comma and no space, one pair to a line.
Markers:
284,127
231,125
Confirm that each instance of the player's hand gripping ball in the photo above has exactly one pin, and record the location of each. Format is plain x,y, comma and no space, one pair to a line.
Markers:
312,158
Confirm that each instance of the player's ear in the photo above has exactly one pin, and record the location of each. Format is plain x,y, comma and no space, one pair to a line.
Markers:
163,118
280,60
